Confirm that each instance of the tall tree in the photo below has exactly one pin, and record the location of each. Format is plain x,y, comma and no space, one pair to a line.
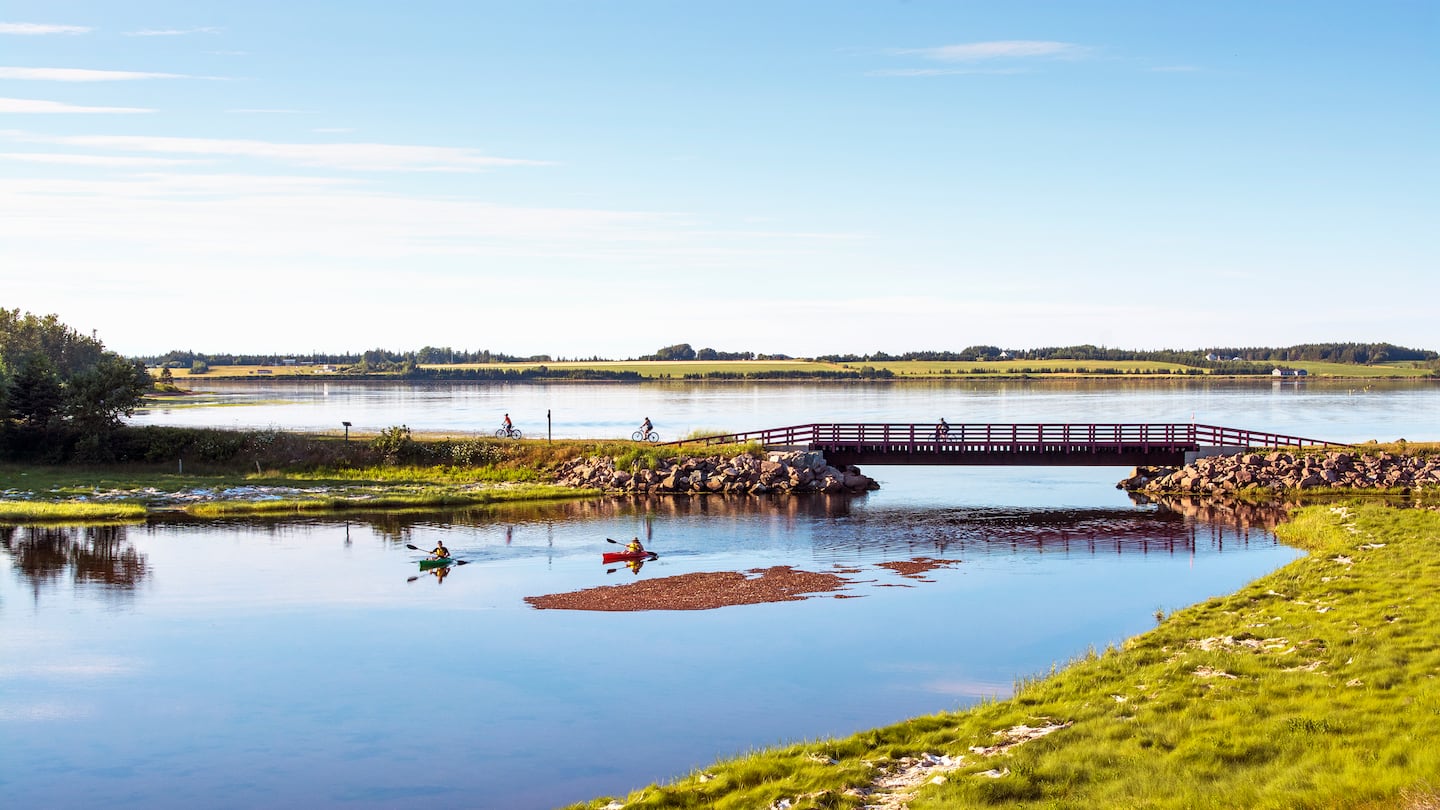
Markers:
97,397
35,394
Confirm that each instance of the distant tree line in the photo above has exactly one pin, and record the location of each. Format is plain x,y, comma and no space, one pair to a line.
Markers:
683,351
61,393
376,359
1361,353
1226,358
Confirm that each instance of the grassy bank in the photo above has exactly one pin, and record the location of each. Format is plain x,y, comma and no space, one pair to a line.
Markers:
267,472
1315,686
68,512
387,500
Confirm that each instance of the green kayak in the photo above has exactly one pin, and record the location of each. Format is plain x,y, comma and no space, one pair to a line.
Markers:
436,563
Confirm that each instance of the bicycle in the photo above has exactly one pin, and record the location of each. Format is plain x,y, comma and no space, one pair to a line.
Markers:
508,433
642,436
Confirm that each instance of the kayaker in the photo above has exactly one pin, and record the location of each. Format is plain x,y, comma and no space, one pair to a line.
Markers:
440,550
634,547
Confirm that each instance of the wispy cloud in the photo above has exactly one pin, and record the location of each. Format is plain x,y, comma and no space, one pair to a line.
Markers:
172,32
82,75
25,106
39,29
343,156
102,161
1000,49
949,72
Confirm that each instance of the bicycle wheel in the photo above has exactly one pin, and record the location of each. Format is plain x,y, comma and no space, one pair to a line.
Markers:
515,434
637,436
652,437
500,434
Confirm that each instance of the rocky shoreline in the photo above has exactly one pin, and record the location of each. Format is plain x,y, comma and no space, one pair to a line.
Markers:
1279,472
779,473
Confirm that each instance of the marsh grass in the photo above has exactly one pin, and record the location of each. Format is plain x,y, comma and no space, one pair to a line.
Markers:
68,512
388,501
1315,686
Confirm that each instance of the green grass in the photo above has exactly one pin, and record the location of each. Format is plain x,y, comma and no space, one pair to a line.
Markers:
68,512
1335,701
659,369
388,501
938,368
911,369
1319,369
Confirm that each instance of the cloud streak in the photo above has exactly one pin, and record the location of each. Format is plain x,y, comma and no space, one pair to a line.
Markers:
379,157
41,29
82,75
101,161
906,72
1000,49
172,32
27,106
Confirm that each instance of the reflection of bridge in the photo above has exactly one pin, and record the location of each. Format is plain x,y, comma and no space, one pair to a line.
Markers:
1090,445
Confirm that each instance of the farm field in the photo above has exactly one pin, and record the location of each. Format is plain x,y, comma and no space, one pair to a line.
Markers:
902,369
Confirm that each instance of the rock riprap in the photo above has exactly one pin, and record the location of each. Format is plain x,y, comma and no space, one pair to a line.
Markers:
1281,471
780,473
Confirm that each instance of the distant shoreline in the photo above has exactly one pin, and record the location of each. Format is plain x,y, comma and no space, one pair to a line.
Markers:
592,375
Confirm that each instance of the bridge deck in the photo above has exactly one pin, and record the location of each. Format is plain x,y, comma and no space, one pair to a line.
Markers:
1011,444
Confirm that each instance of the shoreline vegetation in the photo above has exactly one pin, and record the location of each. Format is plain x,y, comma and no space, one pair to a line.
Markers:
212,472
639,371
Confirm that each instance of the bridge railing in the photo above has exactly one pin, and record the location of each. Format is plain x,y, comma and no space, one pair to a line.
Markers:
982,436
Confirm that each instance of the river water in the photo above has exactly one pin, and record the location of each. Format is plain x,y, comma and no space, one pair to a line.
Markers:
265,663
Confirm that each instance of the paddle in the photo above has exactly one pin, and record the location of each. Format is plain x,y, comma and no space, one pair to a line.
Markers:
652,554
452,559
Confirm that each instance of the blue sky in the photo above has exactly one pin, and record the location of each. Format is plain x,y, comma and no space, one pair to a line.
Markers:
578,178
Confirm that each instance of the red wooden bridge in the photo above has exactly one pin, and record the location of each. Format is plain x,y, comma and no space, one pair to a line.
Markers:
1089,445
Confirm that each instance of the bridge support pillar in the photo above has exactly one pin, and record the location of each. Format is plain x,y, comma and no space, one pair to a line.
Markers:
1213,450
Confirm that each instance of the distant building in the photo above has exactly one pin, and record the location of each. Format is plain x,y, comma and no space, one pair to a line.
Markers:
1289,372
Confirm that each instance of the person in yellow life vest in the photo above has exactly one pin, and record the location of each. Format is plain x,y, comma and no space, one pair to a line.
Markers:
440,550
634,547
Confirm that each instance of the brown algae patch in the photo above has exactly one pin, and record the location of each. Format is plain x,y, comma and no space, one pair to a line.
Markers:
698,591
918,566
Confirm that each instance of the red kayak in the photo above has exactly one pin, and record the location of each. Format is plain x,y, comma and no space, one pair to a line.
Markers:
626,556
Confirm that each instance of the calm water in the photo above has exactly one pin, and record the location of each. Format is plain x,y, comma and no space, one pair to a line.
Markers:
259,663
1333,411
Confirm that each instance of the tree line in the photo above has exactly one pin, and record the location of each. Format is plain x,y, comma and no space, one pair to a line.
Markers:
405,362
1359,353
61,393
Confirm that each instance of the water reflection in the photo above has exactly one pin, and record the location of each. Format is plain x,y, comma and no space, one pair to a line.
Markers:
1226,512
289,646
92,555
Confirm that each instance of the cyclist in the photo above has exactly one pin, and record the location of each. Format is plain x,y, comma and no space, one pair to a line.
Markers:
942,431
508,426
645,428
